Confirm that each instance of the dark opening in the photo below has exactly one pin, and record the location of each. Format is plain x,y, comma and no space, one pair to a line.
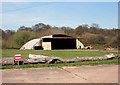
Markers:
80,46
47,39
64,44
88,48
60,35
38,48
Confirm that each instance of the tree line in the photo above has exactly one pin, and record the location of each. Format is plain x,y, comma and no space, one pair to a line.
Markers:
88,35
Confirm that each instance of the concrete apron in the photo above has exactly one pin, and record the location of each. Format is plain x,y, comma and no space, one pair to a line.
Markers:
66,74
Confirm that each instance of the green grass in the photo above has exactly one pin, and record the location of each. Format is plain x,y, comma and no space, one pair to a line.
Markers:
65,54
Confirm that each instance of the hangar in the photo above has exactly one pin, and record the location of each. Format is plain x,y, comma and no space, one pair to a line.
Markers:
51,42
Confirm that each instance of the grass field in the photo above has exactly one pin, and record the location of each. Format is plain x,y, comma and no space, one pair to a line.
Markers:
65,54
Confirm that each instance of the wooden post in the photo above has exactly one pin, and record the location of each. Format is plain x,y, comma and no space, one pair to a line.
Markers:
18,62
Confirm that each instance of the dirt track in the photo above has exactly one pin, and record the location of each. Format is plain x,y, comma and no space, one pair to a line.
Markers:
73,74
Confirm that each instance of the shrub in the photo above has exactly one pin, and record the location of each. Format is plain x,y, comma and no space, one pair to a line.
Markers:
21,37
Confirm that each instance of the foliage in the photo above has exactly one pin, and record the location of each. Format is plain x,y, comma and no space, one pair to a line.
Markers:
7,38
88,35
98,39
115,41
22,37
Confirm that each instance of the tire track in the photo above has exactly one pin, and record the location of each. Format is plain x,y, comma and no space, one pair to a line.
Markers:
74,74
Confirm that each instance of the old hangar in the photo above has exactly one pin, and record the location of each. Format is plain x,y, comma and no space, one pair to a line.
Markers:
51,42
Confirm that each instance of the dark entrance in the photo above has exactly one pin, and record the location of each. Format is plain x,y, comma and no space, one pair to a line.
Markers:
38,48
67,43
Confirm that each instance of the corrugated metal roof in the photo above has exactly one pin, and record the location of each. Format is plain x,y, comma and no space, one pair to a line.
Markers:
50,36
30,44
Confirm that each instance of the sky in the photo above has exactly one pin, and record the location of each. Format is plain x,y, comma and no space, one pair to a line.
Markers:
70,14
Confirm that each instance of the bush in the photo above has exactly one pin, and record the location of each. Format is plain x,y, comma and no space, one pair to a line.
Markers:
115,41
21,37
98,39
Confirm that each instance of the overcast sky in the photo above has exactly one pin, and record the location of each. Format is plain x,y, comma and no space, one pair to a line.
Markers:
72,14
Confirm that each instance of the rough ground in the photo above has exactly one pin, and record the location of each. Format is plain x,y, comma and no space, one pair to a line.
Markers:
66,74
